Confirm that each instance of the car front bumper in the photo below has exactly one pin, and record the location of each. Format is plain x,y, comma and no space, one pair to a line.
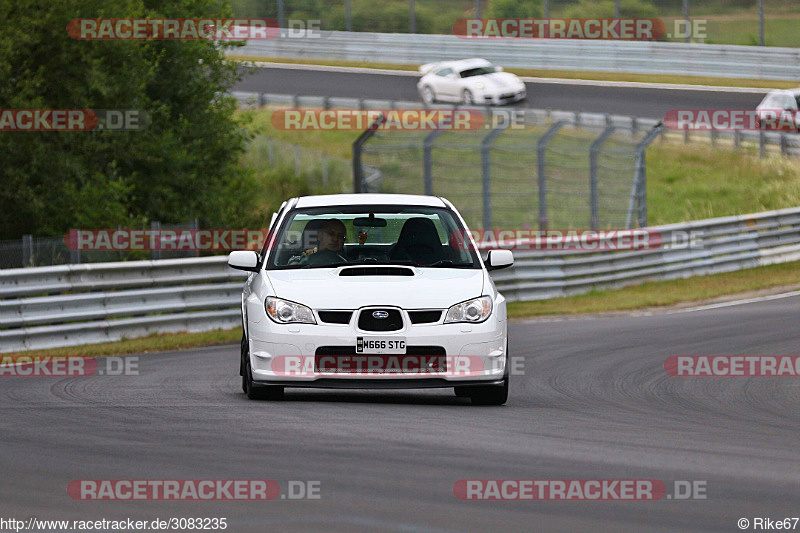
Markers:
505,97
285,354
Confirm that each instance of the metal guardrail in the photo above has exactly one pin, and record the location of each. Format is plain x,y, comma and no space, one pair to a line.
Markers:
68,305
642,57
765,142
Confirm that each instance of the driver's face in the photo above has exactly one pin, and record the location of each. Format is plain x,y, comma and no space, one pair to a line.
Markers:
332,237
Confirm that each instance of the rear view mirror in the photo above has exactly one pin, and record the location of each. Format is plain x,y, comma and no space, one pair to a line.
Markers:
369,222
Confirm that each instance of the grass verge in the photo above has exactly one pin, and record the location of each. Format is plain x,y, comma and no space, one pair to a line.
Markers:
548,73
159,342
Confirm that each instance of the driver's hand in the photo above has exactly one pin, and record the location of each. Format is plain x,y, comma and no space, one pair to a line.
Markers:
308,252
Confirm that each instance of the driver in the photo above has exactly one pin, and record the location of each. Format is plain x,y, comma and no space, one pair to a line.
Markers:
332,235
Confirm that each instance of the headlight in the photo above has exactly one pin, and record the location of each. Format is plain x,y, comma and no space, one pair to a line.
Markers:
480,85
472,311
286,312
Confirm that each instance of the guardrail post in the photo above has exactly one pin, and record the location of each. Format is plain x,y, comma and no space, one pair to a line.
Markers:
296,160
486,172
594,197
737,138
295,101
324,169
784,144
155,226
713,135
326,102
639,191
762,148
541,146
427,160
358,146
686,136
262,99
281,19
27,250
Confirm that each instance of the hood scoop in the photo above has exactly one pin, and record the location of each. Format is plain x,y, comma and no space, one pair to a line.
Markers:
377,271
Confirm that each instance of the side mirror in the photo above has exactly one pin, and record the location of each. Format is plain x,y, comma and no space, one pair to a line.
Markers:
497,259
243,260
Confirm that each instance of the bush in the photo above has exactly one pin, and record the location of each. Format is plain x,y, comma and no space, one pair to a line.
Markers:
514,9
605,9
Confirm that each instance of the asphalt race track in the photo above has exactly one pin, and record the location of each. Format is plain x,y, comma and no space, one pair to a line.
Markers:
594,403
640,102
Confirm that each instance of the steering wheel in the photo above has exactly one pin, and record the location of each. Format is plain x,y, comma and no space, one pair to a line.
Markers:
325,257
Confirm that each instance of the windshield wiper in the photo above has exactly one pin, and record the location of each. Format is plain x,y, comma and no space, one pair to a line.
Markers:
447,262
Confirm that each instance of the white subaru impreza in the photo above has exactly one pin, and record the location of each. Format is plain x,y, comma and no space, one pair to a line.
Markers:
372,291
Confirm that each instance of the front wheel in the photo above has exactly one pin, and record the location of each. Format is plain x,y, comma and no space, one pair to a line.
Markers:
467,97
490,394
427,95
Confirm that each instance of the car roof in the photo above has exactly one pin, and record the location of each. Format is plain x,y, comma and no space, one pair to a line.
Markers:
463,64
324,200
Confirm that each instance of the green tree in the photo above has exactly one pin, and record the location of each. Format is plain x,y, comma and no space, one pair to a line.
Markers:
184,165
514,9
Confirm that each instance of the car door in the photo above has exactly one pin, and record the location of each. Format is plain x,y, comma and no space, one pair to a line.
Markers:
447,87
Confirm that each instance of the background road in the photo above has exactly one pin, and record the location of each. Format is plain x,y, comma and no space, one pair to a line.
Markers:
640,102
594,403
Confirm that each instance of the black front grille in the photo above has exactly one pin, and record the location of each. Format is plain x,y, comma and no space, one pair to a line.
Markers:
368,322
424,317
335,317
343,360
376,271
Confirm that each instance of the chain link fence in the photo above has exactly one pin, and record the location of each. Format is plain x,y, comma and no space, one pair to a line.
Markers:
551,173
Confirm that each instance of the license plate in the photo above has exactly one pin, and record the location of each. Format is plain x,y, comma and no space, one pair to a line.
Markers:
381,345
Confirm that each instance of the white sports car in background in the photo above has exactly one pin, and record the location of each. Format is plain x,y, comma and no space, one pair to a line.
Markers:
469,81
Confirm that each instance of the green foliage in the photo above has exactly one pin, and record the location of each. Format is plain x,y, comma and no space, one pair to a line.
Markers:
184,165
514,9
605,9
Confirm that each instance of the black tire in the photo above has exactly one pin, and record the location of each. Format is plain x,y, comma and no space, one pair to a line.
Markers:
431,99
467,98
261,392
242,356
462,392
490,394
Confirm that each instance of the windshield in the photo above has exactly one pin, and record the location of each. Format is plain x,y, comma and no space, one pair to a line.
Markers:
371,235
479,71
